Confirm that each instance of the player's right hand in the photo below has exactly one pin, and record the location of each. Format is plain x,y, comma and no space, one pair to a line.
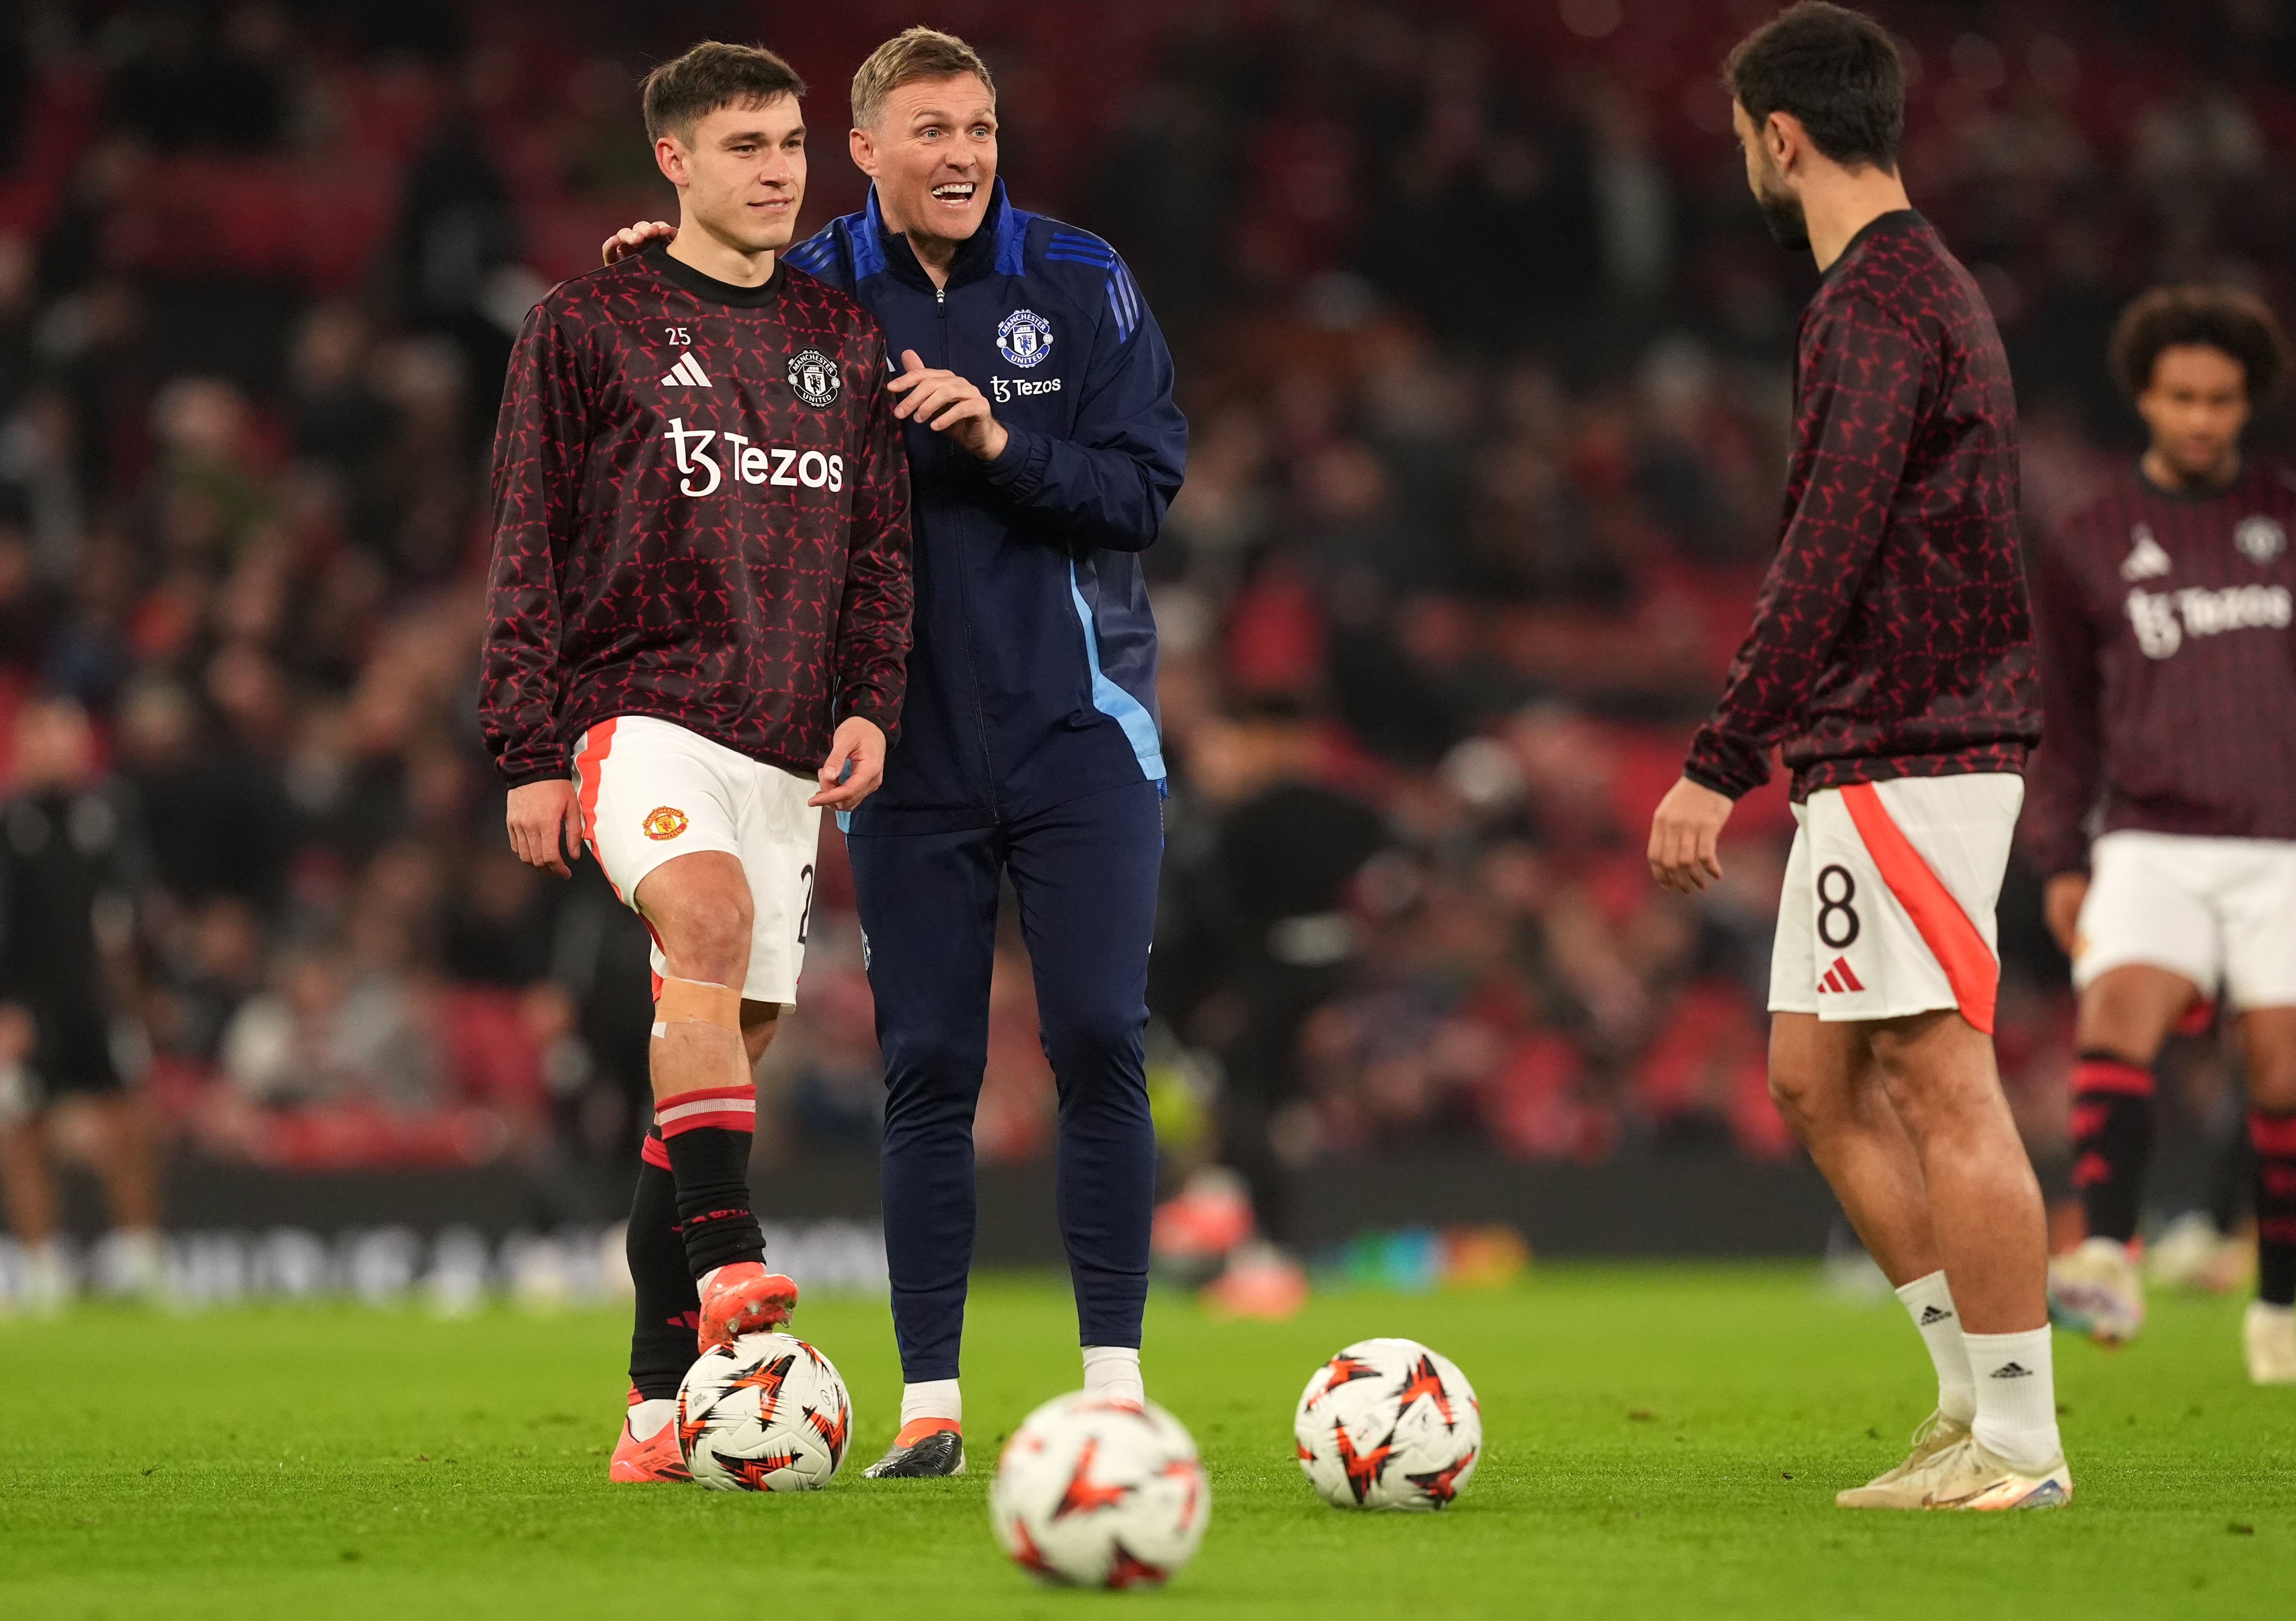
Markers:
545,825
2060,903
1686,835
629,239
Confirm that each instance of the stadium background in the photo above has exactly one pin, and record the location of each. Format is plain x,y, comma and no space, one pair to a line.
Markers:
1486,353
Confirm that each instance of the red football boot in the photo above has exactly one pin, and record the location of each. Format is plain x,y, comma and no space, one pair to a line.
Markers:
743,1298
654,1459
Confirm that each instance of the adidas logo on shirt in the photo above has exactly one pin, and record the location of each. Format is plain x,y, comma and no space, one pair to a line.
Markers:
2146,560
686,371
1839,978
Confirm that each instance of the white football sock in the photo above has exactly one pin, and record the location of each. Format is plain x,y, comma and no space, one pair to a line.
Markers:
935,1398
2016,1396
1930,1303
647,1418
1113,1372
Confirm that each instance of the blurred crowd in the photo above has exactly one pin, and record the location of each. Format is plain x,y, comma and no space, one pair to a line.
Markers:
1486,358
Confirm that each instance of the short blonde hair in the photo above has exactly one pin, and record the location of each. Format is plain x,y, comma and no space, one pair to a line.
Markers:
908,56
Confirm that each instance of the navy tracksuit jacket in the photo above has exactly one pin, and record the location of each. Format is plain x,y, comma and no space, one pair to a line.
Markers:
1027,747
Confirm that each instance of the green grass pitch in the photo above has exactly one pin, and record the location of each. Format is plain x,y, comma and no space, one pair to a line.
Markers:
1660,1442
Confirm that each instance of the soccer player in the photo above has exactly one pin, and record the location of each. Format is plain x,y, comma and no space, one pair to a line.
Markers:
1891,656
699,620
68,863
1044,447
2168,680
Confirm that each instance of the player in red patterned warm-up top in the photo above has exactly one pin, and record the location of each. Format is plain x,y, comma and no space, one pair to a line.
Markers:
699,626
1891,638
679,532
1891,656
2166,613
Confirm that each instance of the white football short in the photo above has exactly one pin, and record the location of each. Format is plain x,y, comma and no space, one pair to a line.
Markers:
1889,902
2217,911
651,791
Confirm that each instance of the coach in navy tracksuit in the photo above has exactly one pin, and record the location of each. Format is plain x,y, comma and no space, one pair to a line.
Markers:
1043,449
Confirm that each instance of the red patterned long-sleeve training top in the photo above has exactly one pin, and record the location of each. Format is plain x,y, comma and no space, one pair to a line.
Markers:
700,514
2167,626
1892,637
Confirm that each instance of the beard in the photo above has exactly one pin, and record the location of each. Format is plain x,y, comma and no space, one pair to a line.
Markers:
1781,212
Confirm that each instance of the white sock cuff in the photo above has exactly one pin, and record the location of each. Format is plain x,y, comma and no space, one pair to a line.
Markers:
1113,1371
935,1398
1927,1289
646,1418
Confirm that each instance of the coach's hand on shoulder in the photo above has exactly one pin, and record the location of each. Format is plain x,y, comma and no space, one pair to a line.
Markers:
2060,903
542,818
629,239
854,766
947,403
1684,836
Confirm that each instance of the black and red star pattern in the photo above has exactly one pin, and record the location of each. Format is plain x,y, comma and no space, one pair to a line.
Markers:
1364,1470
679,533
1441,1485
1892,637
2167,667
754,1473
835,1428
766,1379
1084,1495
1424,1380
1127,1568
1345,1371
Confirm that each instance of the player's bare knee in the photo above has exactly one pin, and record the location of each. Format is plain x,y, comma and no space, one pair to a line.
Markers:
705,933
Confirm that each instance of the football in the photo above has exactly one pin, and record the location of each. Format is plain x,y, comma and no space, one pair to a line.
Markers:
1389,1424
1092,1493
765,1413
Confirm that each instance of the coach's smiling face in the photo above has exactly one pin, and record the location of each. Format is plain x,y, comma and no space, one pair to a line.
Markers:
932,153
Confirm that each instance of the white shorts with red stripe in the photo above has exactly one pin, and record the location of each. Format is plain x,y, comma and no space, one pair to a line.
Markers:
1888,901
651,791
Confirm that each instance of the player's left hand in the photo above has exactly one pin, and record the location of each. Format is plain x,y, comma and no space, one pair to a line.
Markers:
1685,835
629,239
855,765
947,403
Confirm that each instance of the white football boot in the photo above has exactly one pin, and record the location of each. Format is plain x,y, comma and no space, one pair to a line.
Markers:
1889,1490
1966,1476
2268,1335
2095,1291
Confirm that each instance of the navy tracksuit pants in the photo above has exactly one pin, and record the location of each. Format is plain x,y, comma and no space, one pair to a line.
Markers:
1085,873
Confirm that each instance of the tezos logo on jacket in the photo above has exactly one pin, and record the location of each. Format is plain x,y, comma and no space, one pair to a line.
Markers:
1024,338
814,379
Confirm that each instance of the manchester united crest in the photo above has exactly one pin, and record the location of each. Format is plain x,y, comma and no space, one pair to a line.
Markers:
2260,539
814,379
1024,338
663,822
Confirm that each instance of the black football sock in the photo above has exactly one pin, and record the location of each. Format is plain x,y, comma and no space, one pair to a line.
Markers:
708,1134
2273,1136
662,1345
2112,1142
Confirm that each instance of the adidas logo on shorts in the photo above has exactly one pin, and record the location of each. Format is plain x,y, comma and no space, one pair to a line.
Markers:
1839,978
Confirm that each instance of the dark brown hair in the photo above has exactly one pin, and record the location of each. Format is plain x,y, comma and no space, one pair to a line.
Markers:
1836,70
679,95
2227,318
